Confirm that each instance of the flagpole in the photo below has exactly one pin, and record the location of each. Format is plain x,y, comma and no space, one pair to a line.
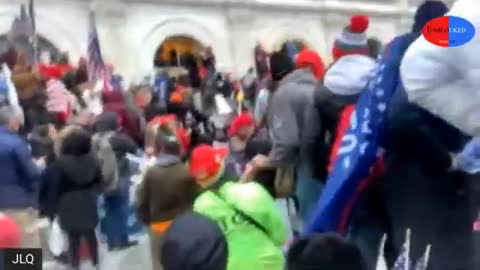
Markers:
408,237
34,35
427,256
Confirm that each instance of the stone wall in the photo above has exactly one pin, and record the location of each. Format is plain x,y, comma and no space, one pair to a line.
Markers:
130,31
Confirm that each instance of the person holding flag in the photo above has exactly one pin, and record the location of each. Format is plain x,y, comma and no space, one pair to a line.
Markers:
426,191
97,69
368,133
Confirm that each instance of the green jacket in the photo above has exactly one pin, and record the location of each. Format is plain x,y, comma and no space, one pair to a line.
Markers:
249,247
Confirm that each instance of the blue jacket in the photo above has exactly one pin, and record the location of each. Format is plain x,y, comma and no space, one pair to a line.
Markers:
19,176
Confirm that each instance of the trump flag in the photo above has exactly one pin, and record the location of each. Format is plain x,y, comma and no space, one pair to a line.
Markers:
360,145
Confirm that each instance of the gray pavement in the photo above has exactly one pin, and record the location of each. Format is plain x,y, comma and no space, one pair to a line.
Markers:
134,258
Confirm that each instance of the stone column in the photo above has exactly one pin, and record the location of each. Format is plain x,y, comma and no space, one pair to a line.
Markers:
239,26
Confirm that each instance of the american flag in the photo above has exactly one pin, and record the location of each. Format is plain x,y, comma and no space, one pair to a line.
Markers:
96,66
403,261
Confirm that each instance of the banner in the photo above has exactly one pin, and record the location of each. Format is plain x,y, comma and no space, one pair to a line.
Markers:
360,145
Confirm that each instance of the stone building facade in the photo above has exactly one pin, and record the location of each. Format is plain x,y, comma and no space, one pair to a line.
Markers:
131,31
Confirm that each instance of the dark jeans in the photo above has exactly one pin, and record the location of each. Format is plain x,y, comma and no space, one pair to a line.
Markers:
74,246
115,222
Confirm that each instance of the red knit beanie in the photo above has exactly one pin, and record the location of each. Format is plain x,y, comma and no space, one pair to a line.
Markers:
353,39
241,121
310,59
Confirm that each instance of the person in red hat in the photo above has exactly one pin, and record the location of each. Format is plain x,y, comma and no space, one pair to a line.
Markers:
171,121
342,85
167,189
240,132
291,119
246,213
310,59
353,39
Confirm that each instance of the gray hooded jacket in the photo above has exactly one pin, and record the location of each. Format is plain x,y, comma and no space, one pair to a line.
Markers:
292,118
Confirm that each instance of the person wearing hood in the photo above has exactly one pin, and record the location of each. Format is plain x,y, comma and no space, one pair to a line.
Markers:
304,254
73,193
115,222
194,242
423,190
445,81
335,101
246,213
290,115
342,85
166,191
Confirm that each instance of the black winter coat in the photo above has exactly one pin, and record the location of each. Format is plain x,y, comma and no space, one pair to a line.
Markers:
74,183
422,192
329,107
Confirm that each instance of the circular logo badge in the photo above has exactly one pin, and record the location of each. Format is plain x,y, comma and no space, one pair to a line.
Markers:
449,31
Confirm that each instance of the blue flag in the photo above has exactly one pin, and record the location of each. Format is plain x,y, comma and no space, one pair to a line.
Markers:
361,143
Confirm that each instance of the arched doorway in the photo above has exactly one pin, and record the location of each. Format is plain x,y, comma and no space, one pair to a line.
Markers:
178,50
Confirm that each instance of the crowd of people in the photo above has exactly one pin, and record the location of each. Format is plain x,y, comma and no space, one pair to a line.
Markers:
72,149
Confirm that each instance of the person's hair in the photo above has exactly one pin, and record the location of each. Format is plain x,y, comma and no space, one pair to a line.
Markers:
41,130
374,47
167,142
280,65
324,252
184,80
81,75
77,143
9,113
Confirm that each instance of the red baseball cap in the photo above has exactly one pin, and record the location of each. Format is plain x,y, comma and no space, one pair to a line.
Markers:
206,161
242,120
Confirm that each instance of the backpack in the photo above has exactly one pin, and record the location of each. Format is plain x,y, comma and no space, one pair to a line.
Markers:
108,161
